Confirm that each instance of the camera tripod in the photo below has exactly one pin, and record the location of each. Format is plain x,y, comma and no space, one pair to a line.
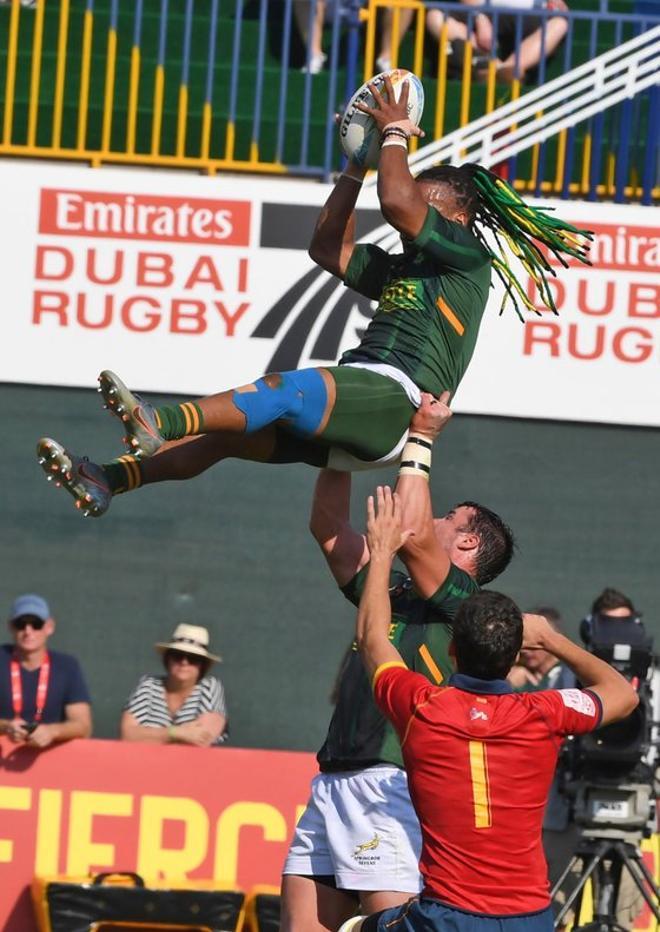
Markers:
606,858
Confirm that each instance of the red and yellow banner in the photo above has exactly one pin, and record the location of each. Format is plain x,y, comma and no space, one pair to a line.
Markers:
167,812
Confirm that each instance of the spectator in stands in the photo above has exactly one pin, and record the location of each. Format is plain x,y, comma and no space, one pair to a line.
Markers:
537,41
538,669
457,35
315,57
387,42
43,695
186,705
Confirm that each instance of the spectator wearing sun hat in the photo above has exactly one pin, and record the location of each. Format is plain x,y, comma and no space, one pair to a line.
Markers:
43,694
184,706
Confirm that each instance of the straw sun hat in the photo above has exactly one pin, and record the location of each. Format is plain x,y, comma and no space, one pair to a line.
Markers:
190,639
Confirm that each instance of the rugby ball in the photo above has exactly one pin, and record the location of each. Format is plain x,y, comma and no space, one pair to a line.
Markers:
358,133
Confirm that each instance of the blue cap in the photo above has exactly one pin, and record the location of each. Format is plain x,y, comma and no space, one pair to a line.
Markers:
29,604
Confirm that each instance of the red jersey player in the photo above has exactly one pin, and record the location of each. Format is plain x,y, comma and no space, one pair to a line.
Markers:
480,758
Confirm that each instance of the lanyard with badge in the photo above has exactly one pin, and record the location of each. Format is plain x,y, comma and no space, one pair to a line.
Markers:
17,689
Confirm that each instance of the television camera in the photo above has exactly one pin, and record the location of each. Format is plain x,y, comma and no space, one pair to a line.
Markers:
609,776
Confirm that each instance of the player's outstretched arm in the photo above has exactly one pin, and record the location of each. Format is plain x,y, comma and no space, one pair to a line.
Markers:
334,235
616,694
401,201
344,549
426,561
384,538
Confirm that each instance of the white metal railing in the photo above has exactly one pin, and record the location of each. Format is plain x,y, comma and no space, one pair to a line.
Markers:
592,87
561,103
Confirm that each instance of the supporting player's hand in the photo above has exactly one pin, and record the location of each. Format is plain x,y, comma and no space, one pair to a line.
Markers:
384,534
432,416
388,109
536,632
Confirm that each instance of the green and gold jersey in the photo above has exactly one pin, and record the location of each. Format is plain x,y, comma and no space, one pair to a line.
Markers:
431,299
359,735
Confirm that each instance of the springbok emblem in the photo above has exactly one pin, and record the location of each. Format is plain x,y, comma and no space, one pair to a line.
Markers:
368,845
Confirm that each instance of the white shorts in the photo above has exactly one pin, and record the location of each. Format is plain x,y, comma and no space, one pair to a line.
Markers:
361,828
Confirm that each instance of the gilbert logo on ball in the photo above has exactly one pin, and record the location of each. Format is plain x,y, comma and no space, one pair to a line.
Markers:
358,133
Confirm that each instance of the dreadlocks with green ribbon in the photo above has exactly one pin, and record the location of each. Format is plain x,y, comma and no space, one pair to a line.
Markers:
492,204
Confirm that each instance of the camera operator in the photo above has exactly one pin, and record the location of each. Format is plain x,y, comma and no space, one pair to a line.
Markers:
561,834
609,604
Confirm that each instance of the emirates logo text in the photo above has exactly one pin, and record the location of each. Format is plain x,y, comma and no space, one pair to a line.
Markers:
144,217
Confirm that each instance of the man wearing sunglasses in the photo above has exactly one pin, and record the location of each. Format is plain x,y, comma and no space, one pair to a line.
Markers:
43,694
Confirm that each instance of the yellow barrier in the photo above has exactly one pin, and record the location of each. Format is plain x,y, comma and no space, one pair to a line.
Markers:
10,81
125,131
83,100
21,22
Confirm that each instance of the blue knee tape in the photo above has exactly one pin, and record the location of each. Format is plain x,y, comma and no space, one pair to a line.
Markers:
300,398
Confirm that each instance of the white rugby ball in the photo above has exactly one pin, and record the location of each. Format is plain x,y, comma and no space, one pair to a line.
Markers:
358,133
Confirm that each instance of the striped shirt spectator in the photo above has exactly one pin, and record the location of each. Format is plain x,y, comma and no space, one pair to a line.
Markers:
186,705
148,703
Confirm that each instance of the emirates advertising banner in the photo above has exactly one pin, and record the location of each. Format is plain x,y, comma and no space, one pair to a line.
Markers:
190,285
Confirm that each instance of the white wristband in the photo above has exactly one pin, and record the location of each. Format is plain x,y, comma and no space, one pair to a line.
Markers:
395,141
